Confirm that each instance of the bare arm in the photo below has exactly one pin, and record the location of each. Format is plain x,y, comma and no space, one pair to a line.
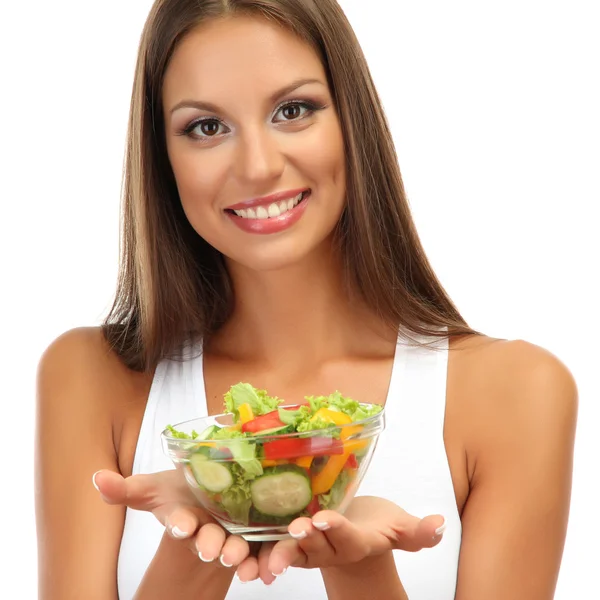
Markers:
78,535
375,577
177,573
515,518
79,387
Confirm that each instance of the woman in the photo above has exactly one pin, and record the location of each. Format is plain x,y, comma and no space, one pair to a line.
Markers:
267,238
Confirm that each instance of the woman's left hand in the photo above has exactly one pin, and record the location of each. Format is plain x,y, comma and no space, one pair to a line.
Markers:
370,526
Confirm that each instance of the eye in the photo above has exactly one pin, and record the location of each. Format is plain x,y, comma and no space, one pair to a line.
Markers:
204,128
296,110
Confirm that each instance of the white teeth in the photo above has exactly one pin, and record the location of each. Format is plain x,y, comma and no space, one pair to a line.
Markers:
274,210
261,213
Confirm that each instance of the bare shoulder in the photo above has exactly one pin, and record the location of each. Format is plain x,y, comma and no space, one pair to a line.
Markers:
80,352
81,360
513,382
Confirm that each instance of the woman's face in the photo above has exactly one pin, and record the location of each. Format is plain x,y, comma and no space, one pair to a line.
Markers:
254,142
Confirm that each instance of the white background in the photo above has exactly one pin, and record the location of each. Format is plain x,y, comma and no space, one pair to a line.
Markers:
494,109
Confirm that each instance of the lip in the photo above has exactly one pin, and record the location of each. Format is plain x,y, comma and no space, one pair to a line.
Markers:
266,200
272,224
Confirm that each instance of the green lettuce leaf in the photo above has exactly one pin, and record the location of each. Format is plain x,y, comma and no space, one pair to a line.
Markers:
236,500
242,393
244,454
318,424
180,434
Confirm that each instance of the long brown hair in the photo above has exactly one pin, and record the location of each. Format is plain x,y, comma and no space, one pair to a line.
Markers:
173,285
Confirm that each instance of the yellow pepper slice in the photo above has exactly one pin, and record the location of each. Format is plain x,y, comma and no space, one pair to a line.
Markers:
246,413
340,418
323,481
333,416
209,444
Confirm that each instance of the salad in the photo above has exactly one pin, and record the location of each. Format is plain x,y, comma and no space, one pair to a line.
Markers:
277,462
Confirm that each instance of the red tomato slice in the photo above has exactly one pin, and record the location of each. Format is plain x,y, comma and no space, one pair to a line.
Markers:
296,447
269,420
314,507
295,406
352,463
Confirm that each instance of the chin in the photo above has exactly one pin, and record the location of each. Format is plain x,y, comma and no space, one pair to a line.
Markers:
273,256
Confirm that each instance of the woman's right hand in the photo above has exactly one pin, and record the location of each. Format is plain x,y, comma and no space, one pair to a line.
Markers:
167,496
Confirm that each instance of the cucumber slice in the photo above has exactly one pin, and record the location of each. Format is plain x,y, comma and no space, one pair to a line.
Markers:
211,475
281,491
208,432
275,430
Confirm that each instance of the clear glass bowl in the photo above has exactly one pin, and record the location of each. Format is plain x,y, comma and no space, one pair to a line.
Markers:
256,486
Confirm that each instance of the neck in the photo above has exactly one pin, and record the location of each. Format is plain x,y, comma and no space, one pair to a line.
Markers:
298,315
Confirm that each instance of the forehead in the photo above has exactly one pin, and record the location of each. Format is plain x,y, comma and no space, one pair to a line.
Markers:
239,55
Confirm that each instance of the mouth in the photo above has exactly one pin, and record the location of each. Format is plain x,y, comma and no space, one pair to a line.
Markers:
271,210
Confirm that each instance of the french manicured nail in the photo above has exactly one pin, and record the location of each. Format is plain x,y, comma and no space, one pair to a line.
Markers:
441,529
202,558
178,533
94,480
298,536
238,578
322,526
279,574
222,559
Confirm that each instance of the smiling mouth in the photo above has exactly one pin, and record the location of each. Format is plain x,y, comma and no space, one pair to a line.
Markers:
270,211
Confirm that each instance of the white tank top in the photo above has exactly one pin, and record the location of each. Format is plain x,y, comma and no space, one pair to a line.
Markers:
409,467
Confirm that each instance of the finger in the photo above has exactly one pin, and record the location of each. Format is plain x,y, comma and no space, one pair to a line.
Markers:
311,541
182,523
247,570
341,536
431,530
415,533
285,553
111,486
209,542
234,551
263,563
138,491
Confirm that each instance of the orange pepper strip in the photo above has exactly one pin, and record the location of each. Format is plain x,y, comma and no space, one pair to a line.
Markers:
274,462
323,481
305,461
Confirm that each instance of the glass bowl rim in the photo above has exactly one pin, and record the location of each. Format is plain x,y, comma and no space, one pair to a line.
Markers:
373,419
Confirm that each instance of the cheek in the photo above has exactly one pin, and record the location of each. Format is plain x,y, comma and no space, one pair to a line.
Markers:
198,177
325,159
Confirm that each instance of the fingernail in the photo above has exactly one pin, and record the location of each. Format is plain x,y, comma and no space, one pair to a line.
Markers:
94,480
206,560
238,578
279,574
322,526
298,536
441,529
222,559
178,533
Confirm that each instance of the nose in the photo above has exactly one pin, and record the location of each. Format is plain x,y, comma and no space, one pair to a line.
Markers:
259,159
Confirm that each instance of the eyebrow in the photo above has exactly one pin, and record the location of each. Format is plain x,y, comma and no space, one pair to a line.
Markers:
209,107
